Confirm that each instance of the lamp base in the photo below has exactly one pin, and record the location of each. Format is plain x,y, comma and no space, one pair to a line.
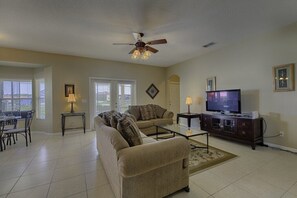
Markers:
71,110
189,109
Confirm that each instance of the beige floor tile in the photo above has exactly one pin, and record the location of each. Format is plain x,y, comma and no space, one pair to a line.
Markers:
209,182
79,195
67,187
34,180
13,171
68,161
293,189
91,166
40,167
68,172
233,191
96,178
195,191
259,187
289,195
37,192
7,185
101,191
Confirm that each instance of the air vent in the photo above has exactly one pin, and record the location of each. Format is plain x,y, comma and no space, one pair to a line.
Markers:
209,44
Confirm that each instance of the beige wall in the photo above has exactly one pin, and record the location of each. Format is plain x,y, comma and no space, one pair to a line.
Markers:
248,65
62,69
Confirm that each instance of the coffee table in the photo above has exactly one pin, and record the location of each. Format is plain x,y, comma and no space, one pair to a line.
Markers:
183,131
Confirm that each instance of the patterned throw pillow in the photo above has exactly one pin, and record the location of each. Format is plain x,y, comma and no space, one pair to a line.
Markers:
147,112
134,110
159,111
129,130
106,116
114,119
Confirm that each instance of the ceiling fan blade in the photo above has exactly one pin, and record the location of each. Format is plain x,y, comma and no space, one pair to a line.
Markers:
155,42
151,49
123,44
131,52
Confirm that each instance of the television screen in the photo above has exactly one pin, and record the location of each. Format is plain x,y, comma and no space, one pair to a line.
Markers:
224,100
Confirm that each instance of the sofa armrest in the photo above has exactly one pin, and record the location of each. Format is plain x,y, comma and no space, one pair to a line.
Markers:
168,114
146,157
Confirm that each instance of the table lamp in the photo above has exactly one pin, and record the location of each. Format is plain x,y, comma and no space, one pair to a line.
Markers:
71,99
189,102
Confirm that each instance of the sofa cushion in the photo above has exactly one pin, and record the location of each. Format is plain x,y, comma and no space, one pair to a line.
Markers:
147,112
134,110
144,124
130,131
159,111
160,121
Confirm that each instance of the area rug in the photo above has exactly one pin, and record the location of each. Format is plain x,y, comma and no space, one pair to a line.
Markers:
200,159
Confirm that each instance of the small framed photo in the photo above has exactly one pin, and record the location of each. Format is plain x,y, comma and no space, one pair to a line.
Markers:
152,91
211,84
284,78
69,89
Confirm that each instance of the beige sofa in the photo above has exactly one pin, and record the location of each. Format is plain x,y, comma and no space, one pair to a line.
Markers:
151,170
158,115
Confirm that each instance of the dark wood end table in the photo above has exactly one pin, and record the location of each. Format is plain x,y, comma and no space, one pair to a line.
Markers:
188,116
63,120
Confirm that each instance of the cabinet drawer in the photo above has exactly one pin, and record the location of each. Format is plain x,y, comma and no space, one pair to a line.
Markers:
244,128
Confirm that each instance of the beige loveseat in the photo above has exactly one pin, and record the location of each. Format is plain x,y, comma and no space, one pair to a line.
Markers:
147,116
151,170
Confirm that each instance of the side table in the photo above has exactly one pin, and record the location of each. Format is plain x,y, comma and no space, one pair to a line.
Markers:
188,116
63,120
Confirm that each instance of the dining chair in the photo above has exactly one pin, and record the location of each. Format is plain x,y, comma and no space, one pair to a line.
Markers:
26,131
2,136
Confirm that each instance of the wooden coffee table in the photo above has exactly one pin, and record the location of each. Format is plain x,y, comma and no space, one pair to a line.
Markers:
183,131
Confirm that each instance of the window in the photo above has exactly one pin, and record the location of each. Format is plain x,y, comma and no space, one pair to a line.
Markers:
40,99
15,95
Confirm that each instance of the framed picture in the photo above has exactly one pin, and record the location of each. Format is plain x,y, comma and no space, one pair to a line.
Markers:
284,78
152,91
211,84
69,89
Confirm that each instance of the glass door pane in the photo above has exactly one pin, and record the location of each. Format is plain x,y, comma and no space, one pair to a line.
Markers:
125,96
102,97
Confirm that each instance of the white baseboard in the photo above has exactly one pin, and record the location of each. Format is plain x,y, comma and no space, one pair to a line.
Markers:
281,147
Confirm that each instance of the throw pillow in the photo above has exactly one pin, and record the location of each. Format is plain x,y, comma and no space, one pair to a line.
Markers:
147,112
134,110
159,111
114,119
129,130
106,116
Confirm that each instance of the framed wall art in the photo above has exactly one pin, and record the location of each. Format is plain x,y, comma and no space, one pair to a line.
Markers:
284,78
211,84
69,89
152,91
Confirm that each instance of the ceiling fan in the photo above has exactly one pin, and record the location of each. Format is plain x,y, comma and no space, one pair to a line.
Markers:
142,50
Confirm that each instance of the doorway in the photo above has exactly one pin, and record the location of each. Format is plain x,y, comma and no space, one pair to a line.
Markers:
174,94
110,94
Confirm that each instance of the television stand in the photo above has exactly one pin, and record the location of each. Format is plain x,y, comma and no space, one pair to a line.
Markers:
239,129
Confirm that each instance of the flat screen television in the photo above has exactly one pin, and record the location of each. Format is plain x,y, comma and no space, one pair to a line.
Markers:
224,101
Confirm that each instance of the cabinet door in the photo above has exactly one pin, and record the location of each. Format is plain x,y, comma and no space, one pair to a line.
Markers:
205,122
244,128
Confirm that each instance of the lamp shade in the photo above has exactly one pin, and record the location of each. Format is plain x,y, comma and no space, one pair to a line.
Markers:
71,98
189,100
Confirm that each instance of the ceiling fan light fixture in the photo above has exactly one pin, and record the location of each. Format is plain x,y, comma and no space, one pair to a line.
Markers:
147,53
136,54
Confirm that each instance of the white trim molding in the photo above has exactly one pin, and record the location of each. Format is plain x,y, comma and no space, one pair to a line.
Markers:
281,147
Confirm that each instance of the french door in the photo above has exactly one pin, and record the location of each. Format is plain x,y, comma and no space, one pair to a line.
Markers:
110,94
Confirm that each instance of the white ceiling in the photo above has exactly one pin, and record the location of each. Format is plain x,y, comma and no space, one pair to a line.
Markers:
89,27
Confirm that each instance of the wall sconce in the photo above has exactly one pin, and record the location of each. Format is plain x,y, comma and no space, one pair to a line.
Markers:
189,102
71,99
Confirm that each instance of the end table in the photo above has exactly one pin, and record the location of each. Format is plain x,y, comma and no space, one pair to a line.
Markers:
188,116
63,120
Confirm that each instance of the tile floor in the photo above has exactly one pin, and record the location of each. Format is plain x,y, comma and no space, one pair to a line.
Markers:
69,166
